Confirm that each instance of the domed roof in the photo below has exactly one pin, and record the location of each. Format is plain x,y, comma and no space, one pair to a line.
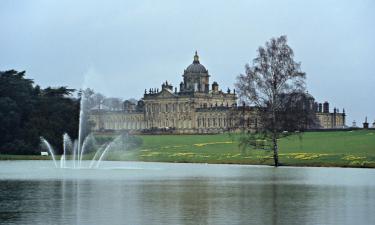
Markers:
196,67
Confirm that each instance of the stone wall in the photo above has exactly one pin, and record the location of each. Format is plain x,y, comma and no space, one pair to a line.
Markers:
331,120
182,117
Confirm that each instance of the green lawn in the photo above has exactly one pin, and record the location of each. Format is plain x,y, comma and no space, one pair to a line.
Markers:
339,148
344,148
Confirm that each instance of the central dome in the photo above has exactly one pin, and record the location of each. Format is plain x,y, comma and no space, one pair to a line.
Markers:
196,67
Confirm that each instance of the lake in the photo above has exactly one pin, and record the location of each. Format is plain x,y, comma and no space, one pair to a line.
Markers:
34,192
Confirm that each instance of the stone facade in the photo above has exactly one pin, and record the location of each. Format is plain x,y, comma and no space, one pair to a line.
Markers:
327,119
194,108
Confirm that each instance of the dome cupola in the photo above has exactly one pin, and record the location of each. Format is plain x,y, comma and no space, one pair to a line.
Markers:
196,77
196,67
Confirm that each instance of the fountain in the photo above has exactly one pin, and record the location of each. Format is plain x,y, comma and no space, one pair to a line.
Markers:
76,157
49,148
78,147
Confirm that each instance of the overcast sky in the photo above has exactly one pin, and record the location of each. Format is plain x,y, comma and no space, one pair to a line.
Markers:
122,47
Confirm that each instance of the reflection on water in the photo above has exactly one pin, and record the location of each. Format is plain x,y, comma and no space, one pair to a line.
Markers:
156,193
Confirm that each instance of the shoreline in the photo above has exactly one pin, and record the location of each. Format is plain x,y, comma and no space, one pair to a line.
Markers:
298,164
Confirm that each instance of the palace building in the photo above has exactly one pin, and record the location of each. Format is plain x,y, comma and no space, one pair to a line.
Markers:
195,107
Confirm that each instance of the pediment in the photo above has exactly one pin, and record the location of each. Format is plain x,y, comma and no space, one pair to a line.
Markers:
165,93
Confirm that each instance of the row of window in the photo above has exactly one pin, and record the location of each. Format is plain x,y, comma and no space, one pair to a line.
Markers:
170,123
202,122
210,105
169,107
212,122
225,122
120,119
120,126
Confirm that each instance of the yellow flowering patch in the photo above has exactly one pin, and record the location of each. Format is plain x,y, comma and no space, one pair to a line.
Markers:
230,155
201,156
306,156
187,154
150,154
213,143
174,146
353,158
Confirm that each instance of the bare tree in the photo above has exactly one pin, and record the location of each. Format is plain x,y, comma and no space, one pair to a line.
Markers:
92,99
114,104
97,100
273,75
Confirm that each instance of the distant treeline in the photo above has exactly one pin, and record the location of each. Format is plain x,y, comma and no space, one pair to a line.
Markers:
28,112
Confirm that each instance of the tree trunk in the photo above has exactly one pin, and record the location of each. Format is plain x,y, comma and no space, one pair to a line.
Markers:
274,126
274,135
275,151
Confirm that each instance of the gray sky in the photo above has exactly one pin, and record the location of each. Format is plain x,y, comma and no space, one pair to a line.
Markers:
122,47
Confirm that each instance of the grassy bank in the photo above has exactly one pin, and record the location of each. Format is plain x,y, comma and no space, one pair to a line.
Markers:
339,148
23,157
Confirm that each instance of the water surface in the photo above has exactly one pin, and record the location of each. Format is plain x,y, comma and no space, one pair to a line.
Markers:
33,192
